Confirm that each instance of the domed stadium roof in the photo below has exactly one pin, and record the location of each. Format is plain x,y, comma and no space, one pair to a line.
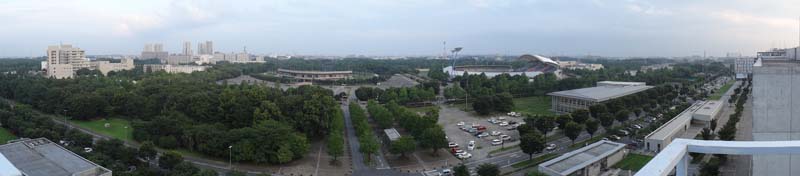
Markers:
537,58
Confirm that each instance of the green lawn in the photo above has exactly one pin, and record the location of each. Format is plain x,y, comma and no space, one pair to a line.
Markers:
533,105
423,109
6,136
717,95
119,128
633,162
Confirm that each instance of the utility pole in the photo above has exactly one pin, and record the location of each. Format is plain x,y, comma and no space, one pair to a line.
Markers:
230,156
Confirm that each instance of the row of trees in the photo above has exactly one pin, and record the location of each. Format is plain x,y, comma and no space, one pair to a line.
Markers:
190,111
23,122
335,141
403,95
368,143
502,102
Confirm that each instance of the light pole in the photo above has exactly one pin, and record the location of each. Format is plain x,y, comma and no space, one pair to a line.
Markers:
230,156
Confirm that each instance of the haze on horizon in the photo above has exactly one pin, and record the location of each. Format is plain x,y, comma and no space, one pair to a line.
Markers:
404,27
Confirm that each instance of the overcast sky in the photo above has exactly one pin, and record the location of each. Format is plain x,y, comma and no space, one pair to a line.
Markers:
404,27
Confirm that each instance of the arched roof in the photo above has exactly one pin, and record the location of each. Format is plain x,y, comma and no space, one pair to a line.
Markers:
537,58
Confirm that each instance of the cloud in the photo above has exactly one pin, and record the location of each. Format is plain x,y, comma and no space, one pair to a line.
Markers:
647,9
740,18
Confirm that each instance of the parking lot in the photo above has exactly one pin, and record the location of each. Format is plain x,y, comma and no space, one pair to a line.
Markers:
450,117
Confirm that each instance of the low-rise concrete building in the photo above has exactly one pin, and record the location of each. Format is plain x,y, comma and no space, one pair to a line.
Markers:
571,100
593,159
173,68
41,157
315,75
701,112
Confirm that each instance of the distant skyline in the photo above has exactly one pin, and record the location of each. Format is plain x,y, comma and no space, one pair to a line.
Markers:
404,27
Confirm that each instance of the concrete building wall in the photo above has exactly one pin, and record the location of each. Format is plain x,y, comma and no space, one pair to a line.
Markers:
775,116
563,105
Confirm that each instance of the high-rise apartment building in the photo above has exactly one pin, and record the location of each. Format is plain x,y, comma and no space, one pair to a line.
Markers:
743,67
64,60
187,48
201,48
154,51
206,48
157,47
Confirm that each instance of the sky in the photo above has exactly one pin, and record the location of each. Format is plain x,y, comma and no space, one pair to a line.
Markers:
622,28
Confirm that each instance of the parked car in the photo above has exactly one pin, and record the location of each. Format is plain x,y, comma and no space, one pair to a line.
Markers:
481,128
471,146
550,147
460,124
495,133
502,118
512,122
464,156
637,127
483,135
505,137
497,142
446,172
473,130
452,144
512,127
624,132
614,137
503,123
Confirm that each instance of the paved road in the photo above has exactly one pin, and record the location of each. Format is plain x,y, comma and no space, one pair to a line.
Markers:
359,167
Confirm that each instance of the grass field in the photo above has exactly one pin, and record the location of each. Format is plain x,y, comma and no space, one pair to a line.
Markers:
717,95
537,105
119,128
423,109
633,162
6,136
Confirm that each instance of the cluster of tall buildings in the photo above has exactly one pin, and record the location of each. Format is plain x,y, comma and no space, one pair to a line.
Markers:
63,61
205,55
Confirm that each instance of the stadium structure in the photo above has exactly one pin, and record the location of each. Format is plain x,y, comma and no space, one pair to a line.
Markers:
535,65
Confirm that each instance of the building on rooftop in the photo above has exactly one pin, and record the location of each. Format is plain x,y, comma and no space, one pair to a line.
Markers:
41,157
571,100
593,159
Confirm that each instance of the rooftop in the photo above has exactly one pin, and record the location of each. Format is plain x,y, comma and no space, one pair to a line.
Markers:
580,158
710,108
603,92
41,157
669,128
392,134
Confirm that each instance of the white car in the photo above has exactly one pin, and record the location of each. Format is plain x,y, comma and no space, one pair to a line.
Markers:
483,135
495,133
464,156
551,147
460,124
460,152
502,118
503,123
471,146
497,142
452,144
505,137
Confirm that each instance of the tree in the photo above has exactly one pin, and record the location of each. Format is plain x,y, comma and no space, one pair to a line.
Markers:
573,130
433,138
483,105
536,173
488,170
545,124
580,116
710,168
369,146
532,143
169,160
147,151
622,115
591,127
562,120
460,170
403,145
707,134
713,125
335,146
184,169
606,120
597,109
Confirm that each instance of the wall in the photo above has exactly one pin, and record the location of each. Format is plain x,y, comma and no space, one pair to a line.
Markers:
775,116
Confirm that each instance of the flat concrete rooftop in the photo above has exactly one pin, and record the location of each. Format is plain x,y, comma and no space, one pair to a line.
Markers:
41,157
672,126
580,158
602,93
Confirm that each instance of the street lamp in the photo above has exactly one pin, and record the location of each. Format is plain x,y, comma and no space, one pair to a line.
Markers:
66,124
230,155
